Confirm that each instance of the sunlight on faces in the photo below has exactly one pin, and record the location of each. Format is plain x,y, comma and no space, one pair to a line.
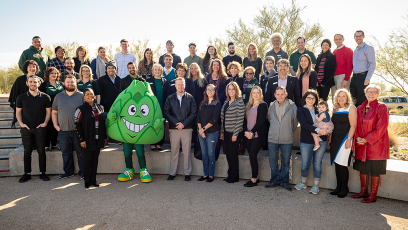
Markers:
216,66
60,53
269,65
69,64
231,92
310,100
157,71
256,94
66,186
81,53
86,72
53,75
342,98
89,96
111,71
12,203
276,42
304,63
283,68
231,49
371,94
86,227
169,47
211,50
251,50
31,69
100,186
338,39
167,62
148,55
300,44
102,53
234,70
33,83
210,91
280,95
359,38
193,70
181,72
37,43
180,85
325,46
70,84
249,74
132,69
124,45
322,108
192,49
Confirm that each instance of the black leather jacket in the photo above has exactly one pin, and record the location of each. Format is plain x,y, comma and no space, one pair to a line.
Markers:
186,113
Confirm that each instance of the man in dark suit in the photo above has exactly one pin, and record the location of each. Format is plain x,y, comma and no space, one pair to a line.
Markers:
283,79
109,86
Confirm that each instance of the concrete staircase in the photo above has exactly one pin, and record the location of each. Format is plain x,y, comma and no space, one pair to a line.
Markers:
10,138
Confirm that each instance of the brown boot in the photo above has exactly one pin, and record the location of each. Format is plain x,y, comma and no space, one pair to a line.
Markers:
364,187
375,181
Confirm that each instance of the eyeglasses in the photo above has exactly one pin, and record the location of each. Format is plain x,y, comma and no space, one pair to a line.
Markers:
210,90
249,73
85,71
359,36
310,98
371,92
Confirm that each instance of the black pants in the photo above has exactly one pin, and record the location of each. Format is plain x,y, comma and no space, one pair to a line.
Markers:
90,164
342,176
357,88
253,147
52,135
323,92
231,152
29,138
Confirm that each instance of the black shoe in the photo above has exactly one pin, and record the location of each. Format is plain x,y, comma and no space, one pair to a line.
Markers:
335,192
171,177
298,153
287,187
87,184
251,184
230,180
44,177
209,179
272,185
24,178
153,149
202,178
187,178
343,193
159,148
95,184
225,179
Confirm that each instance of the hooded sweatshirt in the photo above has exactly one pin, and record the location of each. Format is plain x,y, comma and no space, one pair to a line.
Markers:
40,56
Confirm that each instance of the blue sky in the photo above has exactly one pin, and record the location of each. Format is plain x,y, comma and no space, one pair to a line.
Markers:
95,23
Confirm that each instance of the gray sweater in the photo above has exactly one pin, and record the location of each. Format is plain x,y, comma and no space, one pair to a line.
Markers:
233,119
281,132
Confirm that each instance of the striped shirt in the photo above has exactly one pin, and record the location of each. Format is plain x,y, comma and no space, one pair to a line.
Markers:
232,117
320,74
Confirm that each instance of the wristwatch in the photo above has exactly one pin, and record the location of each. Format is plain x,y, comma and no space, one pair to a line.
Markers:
203,128
349,138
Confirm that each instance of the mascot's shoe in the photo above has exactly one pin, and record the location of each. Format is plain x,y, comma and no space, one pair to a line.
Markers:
127,175
145,176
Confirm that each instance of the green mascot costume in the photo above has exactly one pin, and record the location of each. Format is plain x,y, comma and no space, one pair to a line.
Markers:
135,118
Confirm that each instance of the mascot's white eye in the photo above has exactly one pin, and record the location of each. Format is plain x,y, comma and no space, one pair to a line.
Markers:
132,110
144,110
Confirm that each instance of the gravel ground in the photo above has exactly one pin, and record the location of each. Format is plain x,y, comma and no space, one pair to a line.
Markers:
162,204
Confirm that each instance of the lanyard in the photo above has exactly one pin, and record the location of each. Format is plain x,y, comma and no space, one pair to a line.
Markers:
246,86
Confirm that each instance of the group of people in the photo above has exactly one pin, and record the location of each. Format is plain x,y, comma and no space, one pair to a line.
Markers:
207,101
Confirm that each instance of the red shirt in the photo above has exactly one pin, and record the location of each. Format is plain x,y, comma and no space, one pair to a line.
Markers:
344,58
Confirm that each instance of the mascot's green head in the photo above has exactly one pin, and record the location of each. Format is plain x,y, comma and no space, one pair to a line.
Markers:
135,116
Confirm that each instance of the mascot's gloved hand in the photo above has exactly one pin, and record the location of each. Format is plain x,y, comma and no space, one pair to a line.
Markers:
158,123
112,116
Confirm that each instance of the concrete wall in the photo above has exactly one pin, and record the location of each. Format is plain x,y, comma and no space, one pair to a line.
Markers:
111,160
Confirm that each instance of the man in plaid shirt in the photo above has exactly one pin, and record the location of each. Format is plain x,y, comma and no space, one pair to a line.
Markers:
58,61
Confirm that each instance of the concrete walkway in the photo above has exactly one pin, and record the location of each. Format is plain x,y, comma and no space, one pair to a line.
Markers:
162,204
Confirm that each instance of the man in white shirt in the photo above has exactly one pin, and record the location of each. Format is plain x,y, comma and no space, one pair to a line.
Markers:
123,58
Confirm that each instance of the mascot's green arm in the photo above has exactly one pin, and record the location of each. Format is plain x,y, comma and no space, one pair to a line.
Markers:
158,124
112,115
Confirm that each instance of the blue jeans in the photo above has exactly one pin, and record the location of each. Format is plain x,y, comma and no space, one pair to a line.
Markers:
208,145
68,142
307,153
279,175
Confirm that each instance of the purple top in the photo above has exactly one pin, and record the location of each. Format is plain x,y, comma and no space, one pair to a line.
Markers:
251,119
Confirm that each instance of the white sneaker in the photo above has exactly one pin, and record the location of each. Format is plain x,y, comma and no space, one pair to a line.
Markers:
300,186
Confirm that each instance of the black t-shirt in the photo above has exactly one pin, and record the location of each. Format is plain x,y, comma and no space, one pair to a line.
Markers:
33,108
228,59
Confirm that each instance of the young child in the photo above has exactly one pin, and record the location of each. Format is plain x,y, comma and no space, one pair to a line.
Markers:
323,122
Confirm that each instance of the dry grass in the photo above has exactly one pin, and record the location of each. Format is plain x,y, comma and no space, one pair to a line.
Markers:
397,130
399,111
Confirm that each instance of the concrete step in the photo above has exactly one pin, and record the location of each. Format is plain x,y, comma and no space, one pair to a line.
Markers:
4,99
6,121
10,140
4,171
4,160
7,130
6,114
5,106
6,149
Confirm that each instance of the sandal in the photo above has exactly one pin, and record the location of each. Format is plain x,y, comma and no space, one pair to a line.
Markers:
159,148
316,147
55,148
47,149
153,149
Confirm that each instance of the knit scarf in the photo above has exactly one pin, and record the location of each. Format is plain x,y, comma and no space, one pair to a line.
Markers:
100,66
305,82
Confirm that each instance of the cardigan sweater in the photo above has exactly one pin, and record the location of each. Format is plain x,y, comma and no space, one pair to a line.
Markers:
259,126
232,120
329,69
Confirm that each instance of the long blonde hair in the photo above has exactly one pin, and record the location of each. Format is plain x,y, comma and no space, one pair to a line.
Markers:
336,105
200,77
256,51
251,99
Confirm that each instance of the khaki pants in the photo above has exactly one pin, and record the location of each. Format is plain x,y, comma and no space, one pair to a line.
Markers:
338,80
183,136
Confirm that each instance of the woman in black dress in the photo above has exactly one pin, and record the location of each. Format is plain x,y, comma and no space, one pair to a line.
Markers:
345,122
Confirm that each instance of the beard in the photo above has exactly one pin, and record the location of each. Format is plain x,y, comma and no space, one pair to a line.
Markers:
71,88
132,72
231,52
68,68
